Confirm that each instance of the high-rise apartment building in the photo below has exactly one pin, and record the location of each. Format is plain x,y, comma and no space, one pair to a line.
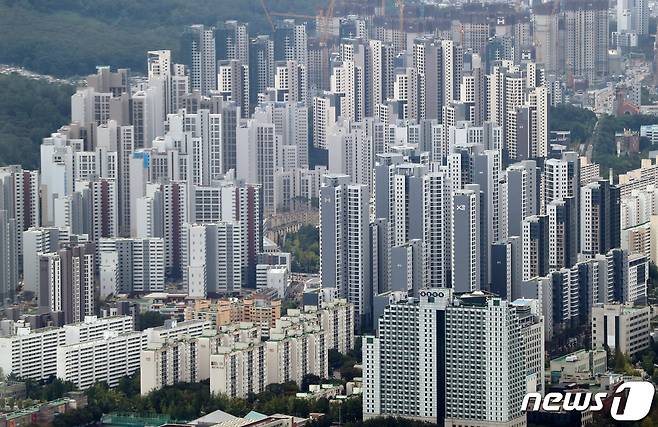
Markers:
38,241
232,42
19,196
633,17
586,38
66,281
546,36
290,82
258,156
439,64
214,260
233,84
466,239
344,243
562,232
290,42
443,331
200,52
9,237
534,237
131,265
599,218
261,66
522,188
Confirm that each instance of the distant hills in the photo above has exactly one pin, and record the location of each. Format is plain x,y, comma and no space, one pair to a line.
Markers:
70,37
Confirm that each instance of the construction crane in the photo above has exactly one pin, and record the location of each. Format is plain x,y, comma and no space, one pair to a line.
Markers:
328,16
267,14
323,18
293,15
400,5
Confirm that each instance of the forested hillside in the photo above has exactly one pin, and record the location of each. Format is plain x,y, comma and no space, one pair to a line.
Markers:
29,110
70,37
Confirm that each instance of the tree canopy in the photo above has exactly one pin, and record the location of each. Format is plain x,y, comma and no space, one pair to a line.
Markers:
579,121
304,246
29,111
188,401
605,148
150,319
600,133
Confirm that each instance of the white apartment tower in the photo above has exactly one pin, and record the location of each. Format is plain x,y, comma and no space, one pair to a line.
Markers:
131,265
165,364
258,156
416,334
344,242
201,43
466,237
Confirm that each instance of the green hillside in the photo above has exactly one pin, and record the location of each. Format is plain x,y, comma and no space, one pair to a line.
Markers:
70,37
29,111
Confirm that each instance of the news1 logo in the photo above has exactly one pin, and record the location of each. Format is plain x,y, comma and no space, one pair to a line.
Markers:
638,401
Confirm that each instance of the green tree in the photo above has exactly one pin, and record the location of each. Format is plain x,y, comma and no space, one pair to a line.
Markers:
29,111
580,121
304,245
308,380
49,389
620,362
150,319
605,147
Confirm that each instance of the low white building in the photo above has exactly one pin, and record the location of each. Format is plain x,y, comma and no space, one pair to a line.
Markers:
274,277
173,329
32,354
622,327
243,363
106,359
163,364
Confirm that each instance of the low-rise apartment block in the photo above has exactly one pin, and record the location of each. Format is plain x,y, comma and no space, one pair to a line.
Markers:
622,327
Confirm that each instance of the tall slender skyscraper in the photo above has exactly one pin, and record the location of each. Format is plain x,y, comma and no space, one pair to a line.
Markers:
233,84
232,42
261,66
546,36
439,64
258,156
67,281
290,42
586,37
534,236
8,258
199,49
345,244
599,218
466,239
